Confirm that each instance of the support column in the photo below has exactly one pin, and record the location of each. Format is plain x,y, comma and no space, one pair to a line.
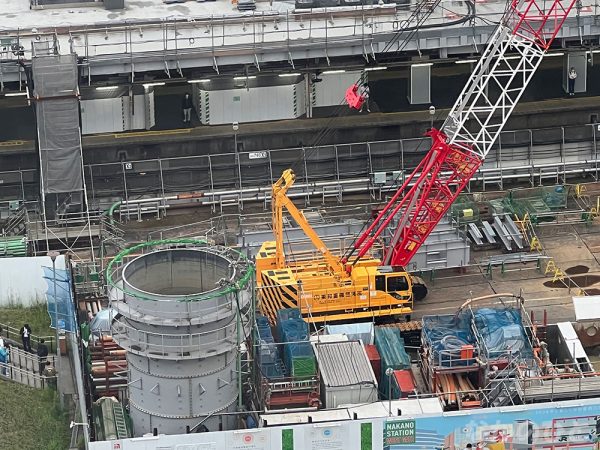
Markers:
309,105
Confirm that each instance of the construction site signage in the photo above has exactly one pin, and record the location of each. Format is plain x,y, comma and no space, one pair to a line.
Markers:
398,432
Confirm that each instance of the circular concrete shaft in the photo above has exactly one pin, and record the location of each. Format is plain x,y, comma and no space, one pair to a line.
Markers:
181,314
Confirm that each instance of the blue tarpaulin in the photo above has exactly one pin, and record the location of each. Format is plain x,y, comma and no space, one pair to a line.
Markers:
502,332
61,309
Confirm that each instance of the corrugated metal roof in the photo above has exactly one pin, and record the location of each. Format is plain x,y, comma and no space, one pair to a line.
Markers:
344,364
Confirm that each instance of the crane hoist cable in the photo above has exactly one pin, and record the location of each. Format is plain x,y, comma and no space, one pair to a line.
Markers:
412,24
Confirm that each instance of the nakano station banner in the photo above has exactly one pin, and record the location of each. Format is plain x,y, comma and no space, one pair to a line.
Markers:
555,426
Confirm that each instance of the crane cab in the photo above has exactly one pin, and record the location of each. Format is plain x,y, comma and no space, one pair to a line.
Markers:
396,281
392,282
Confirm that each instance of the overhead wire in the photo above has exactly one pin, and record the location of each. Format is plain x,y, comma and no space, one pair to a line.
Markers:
421,13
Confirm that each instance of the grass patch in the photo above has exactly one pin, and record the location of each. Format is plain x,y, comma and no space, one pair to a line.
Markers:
31,419
36,316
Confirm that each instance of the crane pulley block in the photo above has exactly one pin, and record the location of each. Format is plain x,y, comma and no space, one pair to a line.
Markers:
354,99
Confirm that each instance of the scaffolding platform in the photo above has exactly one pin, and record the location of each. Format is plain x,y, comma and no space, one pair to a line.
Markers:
67,235
553,389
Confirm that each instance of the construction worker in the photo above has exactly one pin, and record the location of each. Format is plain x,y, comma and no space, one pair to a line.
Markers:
49,375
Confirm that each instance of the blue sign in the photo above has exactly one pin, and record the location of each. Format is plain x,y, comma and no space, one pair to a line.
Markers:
514,428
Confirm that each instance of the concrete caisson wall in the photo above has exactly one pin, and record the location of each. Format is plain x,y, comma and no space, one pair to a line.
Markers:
181,314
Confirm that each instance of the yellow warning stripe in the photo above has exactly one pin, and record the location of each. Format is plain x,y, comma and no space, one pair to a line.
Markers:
152,133
11,143
269,299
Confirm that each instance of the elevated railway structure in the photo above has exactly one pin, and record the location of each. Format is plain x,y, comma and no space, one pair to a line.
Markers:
531,157
178,41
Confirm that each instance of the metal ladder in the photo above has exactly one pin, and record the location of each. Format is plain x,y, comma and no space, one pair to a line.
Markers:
120,422
503,389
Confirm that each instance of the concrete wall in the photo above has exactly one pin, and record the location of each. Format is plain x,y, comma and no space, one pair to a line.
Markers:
22,282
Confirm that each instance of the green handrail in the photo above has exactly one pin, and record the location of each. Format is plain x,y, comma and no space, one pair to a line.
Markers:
233,287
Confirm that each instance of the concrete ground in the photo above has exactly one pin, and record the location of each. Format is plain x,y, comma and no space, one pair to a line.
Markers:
574,250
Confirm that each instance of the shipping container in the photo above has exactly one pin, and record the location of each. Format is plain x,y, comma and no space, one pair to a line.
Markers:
346,374
393,354
403,384
375,360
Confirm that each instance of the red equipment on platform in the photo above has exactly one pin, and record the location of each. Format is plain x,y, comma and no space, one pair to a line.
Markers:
353,98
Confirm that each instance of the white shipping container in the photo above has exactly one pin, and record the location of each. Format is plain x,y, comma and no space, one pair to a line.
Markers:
346,374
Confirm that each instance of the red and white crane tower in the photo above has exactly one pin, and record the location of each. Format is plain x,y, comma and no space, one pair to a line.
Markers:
460,146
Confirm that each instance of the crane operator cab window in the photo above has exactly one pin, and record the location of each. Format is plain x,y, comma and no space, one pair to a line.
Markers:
391,283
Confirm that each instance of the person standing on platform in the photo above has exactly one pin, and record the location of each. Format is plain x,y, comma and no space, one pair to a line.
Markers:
186,105
26,337
572,78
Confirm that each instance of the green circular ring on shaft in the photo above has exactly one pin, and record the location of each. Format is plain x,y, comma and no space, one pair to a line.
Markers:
193,298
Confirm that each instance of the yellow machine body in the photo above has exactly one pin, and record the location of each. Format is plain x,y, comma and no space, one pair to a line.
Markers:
322,296
323,288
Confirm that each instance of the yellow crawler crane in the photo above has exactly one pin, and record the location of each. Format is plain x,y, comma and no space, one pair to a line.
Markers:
325,290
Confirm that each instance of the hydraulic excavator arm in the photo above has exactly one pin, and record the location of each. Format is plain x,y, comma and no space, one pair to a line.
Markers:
280,200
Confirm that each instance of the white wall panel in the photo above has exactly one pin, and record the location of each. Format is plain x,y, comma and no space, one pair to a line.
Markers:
113,115
137,120
150,112
450,429
579,61
254,105
103,115
332,89
22,280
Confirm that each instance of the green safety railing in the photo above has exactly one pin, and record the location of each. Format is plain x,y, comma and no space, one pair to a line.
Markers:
232,287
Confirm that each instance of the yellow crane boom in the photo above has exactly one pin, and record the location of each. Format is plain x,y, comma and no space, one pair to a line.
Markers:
280,200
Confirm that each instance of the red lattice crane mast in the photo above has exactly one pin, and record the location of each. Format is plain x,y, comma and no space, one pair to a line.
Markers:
460,146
